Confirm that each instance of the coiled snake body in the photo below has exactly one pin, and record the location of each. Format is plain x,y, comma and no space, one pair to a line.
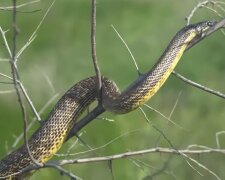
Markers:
48,139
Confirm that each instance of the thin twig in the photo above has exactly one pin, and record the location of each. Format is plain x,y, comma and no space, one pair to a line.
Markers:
34,34
5,41
198,6
7,91
19,6
16,78
185,156
101,146
6,76
199,86
141,152
25,95
93,51
19,83
217,138
4,60
128,49
164,116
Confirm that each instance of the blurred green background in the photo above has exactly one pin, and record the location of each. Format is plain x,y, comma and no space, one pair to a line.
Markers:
61,53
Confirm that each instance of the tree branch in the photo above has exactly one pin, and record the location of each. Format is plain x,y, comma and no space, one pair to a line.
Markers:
161,150
93,51
142,152
84,121
199,86
16,80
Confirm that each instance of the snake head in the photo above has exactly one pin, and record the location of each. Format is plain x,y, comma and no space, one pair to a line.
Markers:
195,32
202,27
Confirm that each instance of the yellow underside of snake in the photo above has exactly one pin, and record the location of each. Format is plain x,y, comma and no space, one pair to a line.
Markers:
48,139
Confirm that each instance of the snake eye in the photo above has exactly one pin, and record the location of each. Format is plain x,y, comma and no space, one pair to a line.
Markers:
210,23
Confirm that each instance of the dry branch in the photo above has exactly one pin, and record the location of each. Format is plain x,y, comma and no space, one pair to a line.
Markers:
93,51
16,80
199,86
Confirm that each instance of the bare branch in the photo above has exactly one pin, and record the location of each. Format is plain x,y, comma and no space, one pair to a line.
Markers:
34,34
4,60
161,150
93,51
101,146
30,40
7,91
164,116
6,76
199,86
204,4
127,47
84,121
15,76
5,41
142,152
217,138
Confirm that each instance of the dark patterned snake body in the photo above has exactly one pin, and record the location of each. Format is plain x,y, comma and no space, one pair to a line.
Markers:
48,139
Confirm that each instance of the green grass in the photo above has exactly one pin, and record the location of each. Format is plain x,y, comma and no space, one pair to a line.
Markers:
62,52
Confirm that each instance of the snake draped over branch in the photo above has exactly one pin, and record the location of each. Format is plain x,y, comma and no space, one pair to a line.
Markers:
48,139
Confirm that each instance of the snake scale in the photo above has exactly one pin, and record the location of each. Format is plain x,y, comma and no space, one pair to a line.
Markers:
48,139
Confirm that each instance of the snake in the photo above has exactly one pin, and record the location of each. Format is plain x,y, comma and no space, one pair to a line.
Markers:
50,136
